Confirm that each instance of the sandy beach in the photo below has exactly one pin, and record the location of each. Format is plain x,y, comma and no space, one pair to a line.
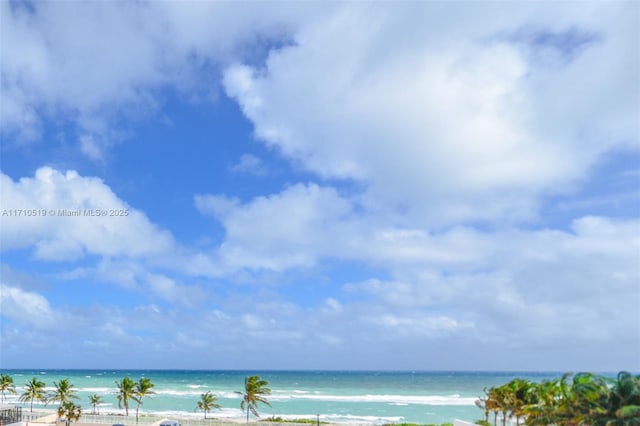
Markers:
48,417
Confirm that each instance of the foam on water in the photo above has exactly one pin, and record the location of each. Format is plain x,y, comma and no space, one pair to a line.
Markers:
388,399
345,397
101,390
224,413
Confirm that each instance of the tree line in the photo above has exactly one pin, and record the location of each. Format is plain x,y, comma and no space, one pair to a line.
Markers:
583,399
128,390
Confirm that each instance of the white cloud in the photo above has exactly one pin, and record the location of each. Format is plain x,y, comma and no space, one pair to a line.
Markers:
250,164
33,216
96,64
545,285
450,129
169,290
416,326
280,231
508,284
25,307
215,205
533,289
305,224
440,121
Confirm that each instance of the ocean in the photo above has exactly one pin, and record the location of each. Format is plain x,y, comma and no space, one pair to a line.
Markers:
371,397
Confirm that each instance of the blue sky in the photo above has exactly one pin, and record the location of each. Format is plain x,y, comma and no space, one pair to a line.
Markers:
321,185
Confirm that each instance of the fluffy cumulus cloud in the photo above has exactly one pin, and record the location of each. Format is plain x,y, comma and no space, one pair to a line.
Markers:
527,289
415,127
568,279
459,123
89,63
67,216
306,224
24,307
290,229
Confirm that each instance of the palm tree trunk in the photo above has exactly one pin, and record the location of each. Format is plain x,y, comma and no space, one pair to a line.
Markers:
247,413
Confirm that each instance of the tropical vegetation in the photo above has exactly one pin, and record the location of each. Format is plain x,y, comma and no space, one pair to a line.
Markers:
583,399
126,392
64,392
6,385
95,400
207,402
33,390
255,390
142,389
70,412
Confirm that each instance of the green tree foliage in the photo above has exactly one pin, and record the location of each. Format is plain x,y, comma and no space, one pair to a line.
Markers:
95,400
624,400
573,400
33,390
207,402
6,385
142,389
70,412
126,392
254,390
64,392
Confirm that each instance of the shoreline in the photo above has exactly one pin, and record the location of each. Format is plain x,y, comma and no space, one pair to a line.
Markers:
336,398
49,417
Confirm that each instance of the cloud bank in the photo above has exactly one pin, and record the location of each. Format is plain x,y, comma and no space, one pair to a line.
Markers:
431,140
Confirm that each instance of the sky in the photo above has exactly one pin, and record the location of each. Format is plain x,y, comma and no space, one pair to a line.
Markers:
320,185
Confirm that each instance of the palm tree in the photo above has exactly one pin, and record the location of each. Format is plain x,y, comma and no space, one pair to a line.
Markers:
491,403
64,392
142,389
481,403
573,400
254,389
624,399
95,400
582,401
126,391
522,394
207,402
69,411
503,397
589,394
6,385
34,389
546,408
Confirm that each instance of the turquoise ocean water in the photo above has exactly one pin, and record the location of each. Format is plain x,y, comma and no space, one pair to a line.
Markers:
349,397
